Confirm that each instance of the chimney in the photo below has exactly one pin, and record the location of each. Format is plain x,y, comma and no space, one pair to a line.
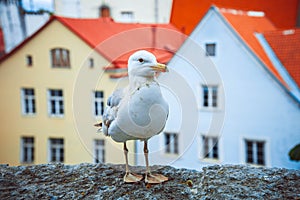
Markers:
104,11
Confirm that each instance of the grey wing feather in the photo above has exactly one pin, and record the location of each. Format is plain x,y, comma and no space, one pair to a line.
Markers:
110,112
115,98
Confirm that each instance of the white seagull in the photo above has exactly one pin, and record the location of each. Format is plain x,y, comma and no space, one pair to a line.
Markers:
138,111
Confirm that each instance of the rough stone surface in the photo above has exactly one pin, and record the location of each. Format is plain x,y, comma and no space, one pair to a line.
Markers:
99,181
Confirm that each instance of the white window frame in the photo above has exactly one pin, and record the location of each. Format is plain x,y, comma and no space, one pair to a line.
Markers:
254,149
98,103
57,107
208,45
57,148
213,97
27,150
99,151
171,142
31,102
209,145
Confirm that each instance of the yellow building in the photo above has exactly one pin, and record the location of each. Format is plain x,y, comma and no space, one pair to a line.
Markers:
54,88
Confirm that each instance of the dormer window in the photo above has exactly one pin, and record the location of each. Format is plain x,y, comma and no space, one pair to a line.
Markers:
60,58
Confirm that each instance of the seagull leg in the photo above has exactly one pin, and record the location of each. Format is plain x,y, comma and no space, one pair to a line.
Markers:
130,177
151,178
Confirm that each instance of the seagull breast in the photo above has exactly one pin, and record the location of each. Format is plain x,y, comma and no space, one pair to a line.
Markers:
144,113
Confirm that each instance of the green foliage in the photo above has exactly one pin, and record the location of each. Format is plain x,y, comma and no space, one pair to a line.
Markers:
295,153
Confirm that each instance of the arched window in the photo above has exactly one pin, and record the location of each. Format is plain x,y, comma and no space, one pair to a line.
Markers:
60,58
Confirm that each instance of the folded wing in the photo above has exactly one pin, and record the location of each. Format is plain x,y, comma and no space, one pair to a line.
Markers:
111,110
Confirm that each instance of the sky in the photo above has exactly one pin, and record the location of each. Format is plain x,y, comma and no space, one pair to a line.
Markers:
38,4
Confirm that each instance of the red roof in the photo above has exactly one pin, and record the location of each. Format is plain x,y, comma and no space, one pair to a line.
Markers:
186,15
2,44
115,41
247,25
286,45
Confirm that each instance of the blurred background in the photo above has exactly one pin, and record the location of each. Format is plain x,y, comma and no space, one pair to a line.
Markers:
240,60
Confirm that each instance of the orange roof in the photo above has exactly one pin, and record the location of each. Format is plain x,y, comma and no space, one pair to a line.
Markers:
186,15
116,41
247,25
286,45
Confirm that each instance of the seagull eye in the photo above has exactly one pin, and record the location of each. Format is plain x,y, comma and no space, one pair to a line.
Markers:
141,60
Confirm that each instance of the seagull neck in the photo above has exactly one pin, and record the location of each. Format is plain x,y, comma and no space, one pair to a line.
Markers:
138,81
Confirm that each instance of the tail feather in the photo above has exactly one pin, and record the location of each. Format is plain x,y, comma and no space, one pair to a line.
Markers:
98,124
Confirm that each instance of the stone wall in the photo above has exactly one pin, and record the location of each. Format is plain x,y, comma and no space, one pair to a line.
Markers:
99,181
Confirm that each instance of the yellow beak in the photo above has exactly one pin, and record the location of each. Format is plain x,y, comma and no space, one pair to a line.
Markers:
160,67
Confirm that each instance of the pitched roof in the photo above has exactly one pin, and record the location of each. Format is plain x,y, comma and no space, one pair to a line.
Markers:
114,40
185,16
246,25
286,45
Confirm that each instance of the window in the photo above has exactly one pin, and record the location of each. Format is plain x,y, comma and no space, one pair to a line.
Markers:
91,62
210,147
255,152
28,101
127,16
210,49
98,103
29,61
99,151
60,58
27,149
56,150
56,103
171,143
210,96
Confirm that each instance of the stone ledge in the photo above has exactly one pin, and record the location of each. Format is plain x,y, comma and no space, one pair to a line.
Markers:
100,181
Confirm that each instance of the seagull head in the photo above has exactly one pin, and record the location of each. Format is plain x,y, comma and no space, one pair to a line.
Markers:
143,63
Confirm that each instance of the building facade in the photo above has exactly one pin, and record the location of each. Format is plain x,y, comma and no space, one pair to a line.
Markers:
39,125
55,85
247,107
149,11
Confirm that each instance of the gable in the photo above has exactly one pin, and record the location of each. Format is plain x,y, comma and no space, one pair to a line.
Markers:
114,41
215,28
52,35
247,25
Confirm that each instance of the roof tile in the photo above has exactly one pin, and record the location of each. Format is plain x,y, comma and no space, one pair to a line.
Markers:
247,25
286,45
116,41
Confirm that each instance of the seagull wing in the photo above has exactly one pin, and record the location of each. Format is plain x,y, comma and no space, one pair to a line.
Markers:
110,112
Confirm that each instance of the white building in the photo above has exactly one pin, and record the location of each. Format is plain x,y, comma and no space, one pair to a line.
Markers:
146,11
18,24
247,106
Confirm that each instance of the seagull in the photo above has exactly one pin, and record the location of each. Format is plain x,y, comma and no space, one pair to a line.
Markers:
138,111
